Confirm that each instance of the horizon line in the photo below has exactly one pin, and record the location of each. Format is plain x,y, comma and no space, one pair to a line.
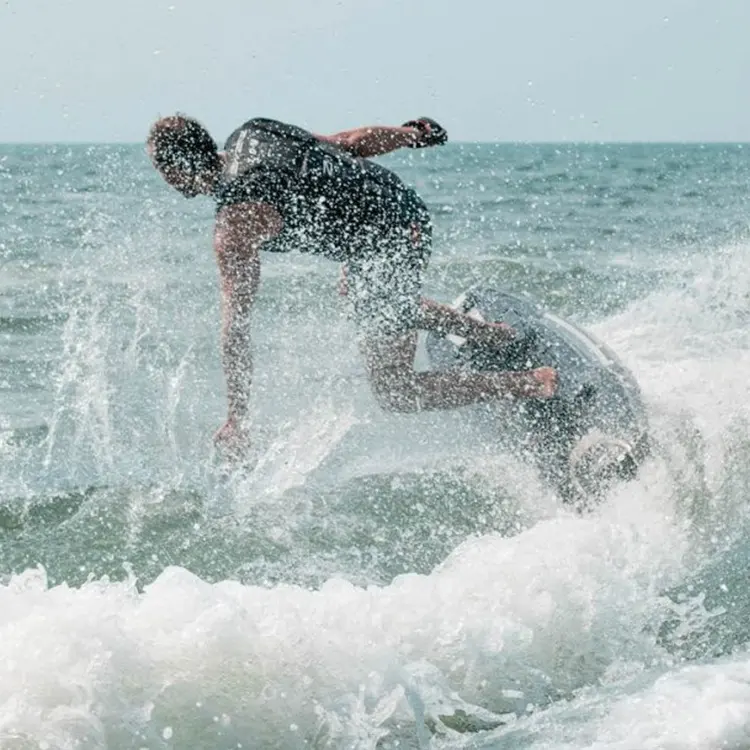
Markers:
531,142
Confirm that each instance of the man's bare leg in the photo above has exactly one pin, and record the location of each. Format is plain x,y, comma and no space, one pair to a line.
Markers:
398,387
444,320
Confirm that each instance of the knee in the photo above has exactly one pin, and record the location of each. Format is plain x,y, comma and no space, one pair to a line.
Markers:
395,393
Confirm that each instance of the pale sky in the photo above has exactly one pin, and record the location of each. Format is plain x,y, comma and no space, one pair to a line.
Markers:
489,70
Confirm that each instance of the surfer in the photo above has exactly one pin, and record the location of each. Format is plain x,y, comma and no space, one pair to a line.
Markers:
277,188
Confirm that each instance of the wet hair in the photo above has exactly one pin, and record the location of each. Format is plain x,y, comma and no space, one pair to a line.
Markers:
182,143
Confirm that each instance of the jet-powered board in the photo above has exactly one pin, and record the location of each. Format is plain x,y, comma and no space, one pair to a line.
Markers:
594,431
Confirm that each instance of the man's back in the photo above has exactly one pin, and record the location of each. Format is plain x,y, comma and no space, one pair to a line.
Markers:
332,202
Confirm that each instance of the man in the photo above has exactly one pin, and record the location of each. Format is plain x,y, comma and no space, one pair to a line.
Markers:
278,188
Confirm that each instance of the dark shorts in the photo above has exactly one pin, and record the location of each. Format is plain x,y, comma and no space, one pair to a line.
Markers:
385,285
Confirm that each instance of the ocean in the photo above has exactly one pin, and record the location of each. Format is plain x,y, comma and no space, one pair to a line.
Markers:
372,580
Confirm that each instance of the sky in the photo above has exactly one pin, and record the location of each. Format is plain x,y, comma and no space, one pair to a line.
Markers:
488,70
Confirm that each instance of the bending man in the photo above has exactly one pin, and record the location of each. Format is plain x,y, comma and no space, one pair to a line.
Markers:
278,188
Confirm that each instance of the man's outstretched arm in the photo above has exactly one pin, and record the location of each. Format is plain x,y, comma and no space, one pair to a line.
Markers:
240,231
376,140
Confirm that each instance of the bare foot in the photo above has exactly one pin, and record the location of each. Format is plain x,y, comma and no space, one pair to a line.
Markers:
546,381
538,383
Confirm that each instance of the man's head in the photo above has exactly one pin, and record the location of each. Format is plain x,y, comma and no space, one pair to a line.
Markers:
184,154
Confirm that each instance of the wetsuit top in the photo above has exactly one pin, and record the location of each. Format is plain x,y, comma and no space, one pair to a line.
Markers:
332,203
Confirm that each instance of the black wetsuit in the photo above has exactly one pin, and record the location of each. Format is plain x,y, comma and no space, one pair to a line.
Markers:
343,207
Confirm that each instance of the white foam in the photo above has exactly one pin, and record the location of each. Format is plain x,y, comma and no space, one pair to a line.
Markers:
690,708
501,624
689,348
297,451
695,707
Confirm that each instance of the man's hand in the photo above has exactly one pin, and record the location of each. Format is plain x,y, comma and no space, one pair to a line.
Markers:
232,440
430,133
343,285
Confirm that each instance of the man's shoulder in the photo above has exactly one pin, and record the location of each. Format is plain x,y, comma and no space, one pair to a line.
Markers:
269,127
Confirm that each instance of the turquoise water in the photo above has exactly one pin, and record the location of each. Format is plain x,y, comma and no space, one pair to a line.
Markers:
375,580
